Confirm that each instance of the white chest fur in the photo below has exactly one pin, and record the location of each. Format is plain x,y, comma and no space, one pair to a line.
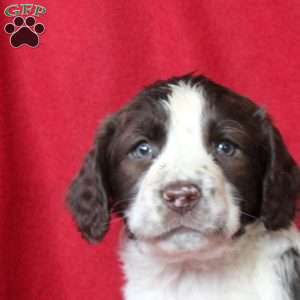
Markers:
252,272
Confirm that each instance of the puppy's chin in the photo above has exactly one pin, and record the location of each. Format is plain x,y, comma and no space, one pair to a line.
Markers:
185,244
183,241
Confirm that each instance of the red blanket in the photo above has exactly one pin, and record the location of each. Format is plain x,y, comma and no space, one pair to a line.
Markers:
89,58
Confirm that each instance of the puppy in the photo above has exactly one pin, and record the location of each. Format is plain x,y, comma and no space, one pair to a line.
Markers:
207,191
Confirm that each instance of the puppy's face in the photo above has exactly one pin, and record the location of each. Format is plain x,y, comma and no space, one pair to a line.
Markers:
187,164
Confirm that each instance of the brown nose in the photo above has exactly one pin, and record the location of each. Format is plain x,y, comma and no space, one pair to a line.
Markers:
181,197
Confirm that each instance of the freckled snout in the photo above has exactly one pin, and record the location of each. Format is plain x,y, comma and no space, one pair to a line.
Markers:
181,197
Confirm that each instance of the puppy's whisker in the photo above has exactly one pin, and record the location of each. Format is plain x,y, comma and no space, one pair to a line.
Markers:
116,203
248,215
118,212
113,221
116,220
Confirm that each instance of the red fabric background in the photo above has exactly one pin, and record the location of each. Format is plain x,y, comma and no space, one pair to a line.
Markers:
94,56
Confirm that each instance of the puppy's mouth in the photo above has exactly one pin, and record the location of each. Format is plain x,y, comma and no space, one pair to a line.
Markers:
177,231
182,233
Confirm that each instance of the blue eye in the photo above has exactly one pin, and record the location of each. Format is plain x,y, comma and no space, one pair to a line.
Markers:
142,151
226,148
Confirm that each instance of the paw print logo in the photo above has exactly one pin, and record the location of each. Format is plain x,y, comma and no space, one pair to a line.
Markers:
24,32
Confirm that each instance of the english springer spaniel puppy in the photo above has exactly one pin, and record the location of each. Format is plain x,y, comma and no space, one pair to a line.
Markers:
207,191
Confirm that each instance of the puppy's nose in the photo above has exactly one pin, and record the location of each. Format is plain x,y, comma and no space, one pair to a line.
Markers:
181,197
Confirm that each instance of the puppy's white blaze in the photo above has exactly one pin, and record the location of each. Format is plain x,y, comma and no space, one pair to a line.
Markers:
186,108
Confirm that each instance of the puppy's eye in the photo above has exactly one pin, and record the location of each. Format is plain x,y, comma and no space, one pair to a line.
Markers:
142,151
226,148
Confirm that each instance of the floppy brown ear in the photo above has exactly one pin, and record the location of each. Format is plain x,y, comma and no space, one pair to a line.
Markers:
88,193
281,185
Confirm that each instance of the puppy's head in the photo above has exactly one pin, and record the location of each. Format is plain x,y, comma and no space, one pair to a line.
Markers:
186,163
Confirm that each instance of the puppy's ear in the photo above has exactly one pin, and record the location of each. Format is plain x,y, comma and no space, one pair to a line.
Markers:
281,185
88,193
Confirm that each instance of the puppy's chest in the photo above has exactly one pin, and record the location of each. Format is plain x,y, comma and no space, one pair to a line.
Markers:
199,286
241,281
190,287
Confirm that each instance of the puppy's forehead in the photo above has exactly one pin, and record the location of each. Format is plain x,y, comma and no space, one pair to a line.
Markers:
191,102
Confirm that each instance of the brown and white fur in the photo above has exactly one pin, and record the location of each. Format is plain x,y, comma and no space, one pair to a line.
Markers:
207,191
